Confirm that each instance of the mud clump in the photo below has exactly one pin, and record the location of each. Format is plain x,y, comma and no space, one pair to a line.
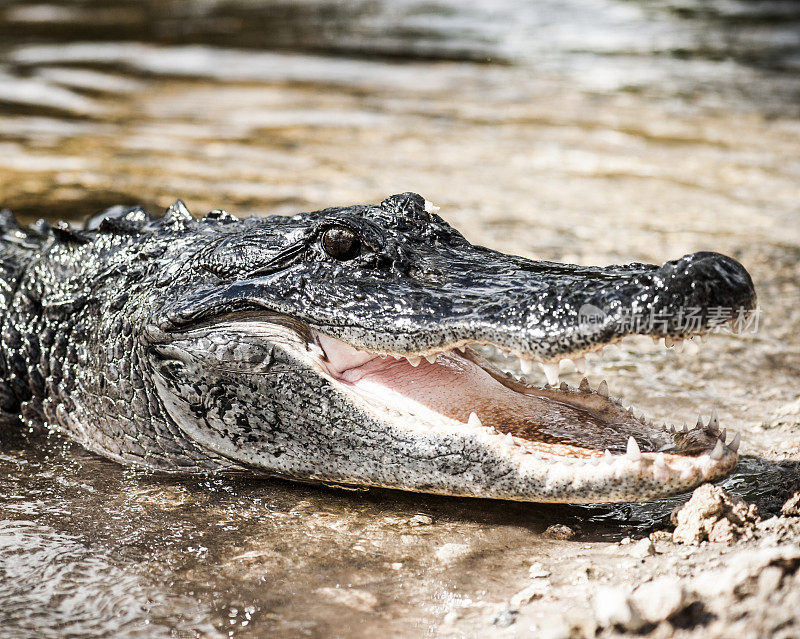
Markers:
792,506
648,605
714,515
561,532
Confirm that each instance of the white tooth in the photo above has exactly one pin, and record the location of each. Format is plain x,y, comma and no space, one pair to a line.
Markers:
723,435
660,461
602,389
734,445
414,360
691,348
672,430
685,428
461,348
474,420
699,424
656,340
551,372
713,423
580,364
508,440
431,359
608,458
688,472
668,342
678,345
526,365
633,451
584,387
718,452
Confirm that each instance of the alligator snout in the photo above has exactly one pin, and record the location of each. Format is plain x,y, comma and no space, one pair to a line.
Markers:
709,280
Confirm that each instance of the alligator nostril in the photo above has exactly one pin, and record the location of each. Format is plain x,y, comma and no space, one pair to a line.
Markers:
707,279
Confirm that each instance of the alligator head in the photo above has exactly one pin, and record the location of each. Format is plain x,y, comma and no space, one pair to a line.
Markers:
342,346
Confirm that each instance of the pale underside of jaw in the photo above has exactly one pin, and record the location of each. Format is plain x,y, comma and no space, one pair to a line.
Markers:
565,430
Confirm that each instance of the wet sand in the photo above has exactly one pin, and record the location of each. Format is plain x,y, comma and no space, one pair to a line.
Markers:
591,133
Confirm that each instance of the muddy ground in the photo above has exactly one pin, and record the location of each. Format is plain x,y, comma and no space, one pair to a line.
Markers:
591,133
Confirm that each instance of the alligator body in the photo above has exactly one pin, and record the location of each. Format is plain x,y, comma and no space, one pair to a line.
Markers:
340,346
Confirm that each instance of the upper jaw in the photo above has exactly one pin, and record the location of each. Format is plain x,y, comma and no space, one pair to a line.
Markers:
546,312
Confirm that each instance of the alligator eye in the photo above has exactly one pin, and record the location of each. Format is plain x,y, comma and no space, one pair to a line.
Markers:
340,243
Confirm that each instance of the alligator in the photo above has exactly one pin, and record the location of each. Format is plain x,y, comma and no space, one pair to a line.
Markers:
348,346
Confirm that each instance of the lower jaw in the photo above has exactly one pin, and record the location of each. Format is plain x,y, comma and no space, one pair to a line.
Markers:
463,392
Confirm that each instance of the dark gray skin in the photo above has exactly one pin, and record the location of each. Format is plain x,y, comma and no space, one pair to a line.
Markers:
191,346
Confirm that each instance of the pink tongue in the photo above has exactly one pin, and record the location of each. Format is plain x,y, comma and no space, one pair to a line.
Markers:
453,386
456,387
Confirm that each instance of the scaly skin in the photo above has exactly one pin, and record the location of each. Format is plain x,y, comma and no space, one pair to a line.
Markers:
295,346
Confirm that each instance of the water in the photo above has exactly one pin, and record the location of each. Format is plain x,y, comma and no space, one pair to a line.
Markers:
587,131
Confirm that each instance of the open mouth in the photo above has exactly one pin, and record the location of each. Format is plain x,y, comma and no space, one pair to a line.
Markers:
454,389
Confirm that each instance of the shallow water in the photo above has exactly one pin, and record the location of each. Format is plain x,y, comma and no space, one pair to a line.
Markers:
588,131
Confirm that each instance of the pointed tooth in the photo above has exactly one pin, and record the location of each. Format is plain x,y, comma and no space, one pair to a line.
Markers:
723,435
713,423
431,358
718,452
602,389
672,430
414,360
656,340
551,372
660,461
584,387
461,348
699,425
474,420
526,365
608,458
678,344
564,386
734,445
633,452
669,342
580,364
508,440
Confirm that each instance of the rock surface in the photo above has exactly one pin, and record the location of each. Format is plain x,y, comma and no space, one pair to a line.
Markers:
792,506
713,515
